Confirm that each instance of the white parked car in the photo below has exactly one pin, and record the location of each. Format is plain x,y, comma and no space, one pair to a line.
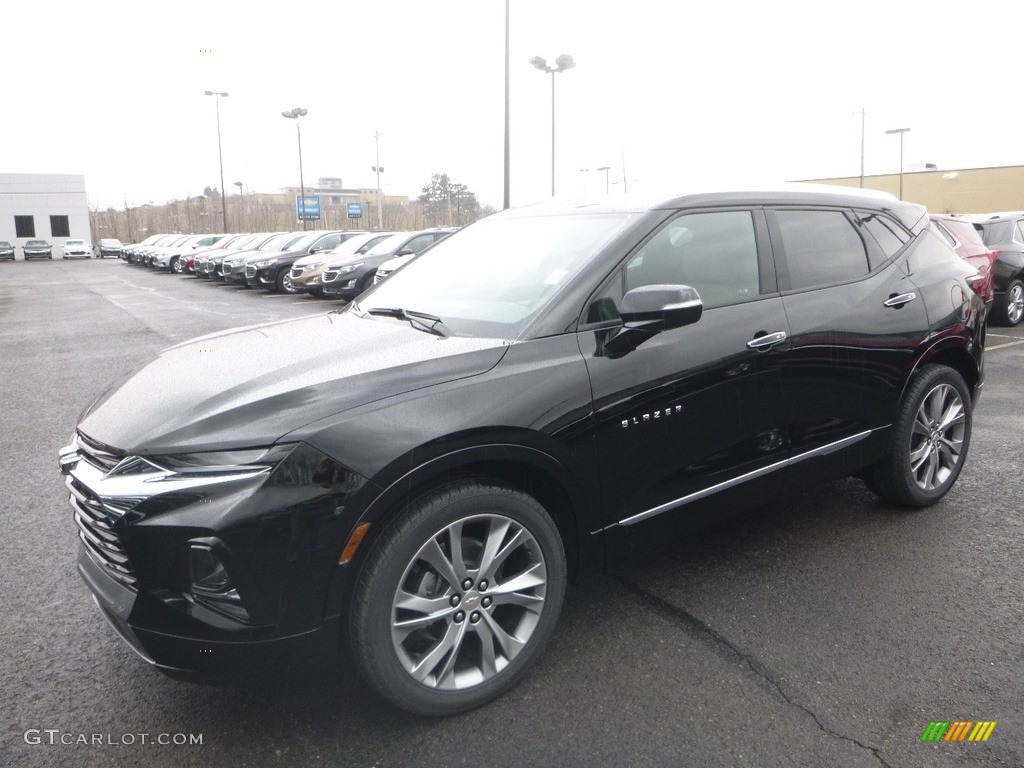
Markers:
77,249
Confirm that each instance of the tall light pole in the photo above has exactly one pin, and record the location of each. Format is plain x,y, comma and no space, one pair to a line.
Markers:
562,63
220,155
507,197
295,114
605,168
379,169
241,205
900,131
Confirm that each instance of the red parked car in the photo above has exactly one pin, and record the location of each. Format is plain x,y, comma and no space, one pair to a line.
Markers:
963,238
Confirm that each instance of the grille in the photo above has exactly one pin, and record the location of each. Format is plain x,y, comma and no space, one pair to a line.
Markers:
381,274
97,534
250,271
225,269
297,272
330,275
99,455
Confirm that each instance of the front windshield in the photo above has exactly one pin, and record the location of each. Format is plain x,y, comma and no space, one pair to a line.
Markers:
36,242
389,245
303,242
75,242
491,278
281,242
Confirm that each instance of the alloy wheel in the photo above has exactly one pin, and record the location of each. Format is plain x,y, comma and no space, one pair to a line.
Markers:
468,602
1015,303
936,441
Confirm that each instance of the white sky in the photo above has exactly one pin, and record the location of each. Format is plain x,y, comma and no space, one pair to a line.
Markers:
716,93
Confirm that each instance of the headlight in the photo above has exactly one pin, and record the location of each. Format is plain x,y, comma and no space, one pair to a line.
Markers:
266,262
314,265
350,268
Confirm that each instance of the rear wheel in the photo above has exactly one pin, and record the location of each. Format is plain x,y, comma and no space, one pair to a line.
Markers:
1009,308
457,598
930,440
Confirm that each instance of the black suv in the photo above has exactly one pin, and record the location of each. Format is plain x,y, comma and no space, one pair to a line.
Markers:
418,474
1004,233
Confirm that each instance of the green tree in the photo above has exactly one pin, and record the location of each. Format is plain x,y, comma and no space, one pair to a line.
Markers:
448,203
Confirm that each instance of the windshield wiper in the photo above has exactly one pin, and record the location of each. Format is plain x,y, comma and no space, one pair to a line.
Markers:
422,320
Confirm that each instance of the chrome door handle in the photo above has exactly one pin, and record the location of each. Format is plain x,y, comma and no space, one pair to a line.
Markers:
898,301
766,341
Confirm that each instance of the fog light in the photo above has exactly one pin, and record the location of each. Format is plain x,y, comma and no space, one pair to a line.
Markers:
212,586
208,572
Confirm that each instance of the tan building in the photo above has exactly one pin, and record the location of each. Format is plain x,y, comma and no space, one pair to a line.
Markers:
967,190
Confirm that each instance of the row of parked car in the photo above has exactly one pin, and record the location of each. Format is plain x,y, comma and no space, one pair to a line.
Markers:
72,249
344,263
332,263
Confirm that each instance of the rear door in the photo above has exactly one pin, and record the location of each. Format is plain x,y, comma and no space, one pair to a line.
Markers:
857,323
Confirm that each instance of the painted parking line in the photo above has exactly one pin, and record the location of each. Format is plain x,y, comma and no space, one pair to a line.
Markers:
1003,346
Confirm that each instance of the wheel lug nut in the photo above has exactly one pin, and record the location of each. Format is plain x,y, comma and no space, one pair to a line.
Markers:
474,617
486,603
455,600
483,585
460,616
467,584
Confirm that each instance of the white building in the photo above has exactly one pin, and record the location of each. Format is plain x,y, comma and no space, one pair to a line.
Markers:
43,206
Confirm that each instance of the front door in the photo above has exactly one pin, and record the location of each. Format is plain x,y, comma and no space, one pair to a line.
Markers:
695,411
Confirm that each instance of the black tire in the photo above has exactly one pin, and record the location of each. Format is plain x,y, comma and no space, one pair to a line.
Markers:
469,676
929,441
1009,307
175,266
284,283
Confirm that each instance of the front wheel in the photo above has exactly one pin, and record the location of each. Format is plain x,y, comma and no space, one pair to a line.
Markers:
1009,308
929,442
176,266
284,282
457,598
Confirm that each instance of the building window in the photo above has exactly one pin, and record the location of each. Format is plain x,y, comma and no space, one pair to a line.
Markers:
24,226
59,226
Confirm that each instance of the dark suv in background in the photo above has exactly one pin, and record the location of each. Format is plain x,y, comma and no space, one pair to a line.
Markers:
415,477
1004,234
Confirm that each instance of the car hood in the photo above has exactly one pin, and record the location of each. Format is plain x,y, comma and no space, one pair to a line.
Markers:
250,386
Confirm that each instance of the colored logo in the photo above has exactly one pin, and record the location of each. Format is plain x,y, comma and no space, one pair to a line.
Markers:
959,730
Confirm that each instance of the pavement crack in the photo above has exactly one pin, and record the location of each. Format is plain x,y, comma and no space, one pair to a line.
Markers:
701,630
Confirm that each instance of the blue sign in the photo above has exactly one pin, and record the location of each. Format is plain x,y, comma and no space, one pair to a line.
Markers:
308,207
355,210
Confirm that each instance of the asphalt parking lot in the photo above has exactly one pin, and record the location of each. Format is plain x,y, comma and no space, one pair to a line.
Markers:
826,631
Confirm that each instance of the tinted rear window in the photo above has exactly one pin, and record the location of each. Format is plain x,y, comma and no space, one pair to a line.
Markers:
965,231
993,232
822,248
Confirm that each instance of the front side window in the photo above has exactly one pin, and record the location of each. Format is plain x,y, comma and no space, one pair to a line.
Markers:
821,248
714,253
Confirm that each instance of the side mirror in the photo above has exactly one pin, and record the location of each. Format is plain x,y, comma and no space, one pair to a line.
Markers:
315,249
649,310
405,252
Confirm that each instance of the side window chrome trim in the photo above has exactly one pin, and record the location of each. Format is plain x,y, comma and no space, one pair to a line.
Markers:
823,450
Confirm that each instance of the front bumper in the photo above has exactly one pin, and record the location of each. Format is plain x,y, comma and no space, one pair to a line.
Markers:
276,533
181,655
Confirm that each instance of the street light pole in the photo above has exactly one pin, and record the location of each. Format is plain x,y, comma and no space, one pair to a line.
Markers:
378,169
506,201
220,156
241,206
605,168
562,63
900,131
295,114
